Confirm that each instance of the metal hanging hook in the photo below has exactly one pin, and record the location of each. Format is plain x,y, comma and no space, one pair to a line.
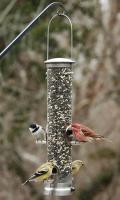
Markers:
28,27
59,13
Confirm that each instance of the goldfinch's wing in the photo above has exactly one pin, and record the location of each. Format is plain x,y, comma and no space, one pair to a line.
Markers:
30,179
42,172
36,175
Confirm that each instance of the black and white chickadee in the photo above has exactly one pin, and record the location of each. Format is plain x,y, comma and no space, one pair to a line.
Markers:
38,132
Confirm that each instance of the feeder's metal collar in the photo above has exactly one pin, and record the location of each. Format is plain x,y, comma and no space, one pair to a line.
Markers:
60,60
61,189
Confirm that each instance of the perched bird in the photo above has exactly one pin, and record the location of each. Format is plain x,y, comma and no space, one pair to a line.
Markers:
76,165
38,131
43,172
82,133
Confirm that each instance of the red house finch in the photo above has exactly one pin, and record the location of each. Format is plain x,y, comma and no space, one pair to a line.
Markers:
82,133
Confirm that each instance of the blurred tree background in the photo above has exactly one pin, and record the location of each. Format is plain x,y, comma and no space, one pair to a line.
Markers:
96,94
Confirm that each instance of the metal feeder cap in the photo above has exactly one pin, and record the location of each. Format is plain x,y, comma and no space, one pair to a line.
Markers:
60,60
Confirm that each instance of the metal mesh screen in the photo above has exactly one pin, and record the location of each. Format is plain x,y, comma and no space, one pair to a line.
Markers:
59,77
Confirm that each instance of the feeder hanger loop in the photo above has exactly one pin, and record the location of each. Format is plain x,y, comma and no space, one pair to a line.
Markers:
27,28
61,14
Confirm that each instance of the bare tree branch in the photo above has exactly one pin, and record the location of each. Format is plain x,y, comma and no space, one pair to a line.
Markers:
7,10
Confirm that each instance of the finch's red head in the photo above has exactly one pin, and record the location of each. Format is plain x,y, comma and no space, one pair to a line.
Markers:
76,125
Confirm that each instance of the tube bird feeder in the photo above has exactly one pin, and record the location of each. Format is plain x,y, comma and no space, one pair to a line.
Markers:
59,110
59,114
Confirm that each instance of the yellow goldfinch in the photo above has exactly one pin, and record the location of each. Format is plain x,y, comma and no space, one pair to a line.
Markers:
76,165
43,172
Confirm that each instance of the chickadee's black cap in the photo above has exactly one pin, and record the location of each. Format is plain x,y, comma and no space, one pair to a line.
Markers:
33,125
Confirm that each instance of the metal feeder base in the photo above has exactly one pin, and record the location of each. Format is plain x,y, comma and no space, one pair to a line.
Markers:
60,189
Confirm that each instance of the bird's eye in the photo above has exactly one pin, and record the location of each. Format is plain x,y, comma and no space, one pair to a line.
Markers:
33,126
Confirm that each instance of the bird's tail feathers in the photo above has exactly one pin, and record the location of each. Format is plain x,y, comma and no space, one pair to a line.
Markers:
103,139
25,182
30,179
89,139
